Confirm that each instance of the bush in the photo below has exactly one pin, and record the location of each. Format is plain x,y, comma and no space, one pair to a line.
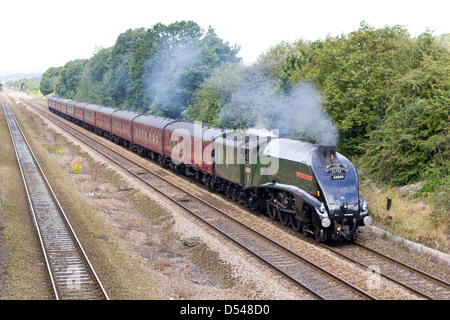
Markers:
77,165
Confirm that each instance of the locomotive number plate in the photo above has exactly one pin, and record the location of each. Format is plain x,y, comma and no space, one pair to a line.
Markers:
338,177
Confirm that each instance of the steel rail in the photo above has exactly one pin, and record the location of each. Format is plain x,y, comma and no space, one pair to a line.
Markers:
50,258
420,273
33,214
416,290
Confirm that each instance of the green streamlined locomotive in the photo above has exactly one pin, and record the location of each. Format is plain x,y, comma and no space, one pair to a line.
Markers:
310,187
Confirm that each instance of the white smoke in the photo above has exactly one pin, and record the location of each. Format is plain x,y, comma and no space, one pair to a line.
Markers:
262,132
169,78
258,103
301,110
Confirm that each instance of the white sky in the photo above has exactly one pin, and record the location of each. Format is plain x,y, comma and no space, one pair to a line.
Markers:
38,34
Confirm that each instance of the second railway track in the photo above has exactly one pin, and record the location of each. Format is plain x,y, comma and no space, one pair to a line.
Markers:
71,273
417,281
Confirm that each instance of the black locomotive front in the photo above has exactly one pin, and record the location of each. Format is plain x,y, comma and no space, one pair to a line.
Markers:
339,193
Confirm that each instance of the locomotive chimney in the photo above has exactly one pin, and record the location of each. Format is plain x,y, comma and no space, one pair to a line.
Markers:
328,152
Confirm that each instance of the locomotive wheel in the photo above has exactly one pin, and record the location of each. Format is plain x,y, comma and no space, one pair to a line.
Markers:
295,223
319,235
233,194
284,218
272,211
282,200
304,229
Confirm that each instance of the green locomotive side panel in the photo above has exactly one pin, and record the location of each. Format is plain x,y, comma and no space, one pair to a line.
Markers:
229,164
257,168
297,174
239,161
247,168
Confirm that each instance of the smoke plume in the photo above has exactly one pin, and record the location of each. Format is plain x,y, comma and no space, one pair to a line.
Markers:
169,78
255,101
300,112
258,103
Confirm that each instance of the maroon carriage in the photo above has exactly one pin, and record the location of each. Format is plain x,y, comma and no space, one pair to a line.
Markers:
90,116
191,144
148,132
54,104
79,112
122,126
103,121
63,105
70,107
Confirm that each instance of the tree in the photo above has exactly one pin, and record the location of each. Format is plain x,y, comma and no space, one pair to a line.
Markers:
413,142
69,78
120,78
95,79
214,94
49,80
173,61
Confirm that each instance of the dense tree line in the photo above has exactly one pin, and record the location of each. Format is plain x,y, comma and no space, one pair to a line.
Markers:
385,93
155,70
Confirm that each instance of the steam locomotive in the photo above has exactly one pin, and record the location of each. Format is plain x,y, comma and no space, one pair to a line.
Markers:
311,188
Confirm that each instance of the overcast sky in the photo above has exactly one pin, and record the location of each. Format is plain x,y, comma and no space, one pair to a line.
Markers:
38,34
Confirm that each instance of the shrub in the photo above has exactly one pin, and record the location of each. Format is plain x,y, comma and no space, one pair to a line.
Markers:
77,165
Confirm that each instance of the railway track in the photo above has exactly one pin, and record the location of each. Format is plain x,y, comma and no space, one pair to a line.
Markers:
71,274
415,280
319,282
419,282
